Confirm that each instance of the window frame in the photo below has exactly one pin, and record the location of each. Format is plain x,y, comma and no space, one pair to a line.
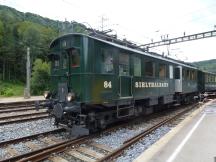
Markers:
153,69
135,65
53,60
163,65
71,56
127,73
103,63
171,72
177,73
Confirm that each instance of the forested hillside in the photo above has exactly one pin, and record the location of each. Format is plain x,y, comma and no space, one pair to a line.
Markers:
208,65
19,30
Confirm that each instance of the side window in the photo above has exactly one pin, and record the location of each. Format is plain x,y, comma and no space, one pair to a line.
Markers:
123,64
75,58
107,61
150,69
162,70
183,74
171,72
137,66
188,74
177,73
192,75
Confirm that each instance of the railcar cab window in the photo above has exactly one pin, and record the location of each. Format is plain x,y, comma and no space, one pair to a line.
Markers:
162,70
107,61
56,64
137,66
55,59
123,64
150,69
74,57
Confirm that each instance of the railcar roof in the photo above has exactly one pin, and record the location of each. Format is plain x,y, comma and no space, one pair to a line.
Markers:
149,54
208,72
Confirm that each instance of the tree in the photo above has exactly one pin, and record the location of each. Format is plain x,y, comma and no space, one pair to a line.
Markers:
19,30
40,77
7,46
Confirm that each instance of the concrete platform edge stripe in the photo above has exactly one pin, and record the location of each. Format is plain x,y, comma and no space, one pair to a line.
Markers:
178,149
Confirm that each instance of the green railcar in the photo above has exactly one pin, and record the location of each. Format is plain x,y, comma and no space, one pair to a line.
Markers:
96,82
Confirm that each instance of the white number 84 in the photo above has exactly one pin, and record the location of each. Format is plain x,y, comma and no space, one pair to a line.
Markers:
107,84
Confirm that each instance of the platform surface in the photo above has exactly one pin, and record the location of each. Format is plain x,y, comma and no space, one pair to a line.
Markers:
194,142
20,99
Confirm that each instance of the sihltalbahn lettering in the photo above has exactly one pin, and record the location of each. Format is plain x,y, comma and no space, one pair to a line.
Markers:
151,84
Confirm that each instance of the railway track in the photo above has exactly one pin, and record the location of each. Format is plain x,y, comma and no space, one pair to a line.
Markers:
20,112
85,149
22,117
16,104
30,137
34,141
9,110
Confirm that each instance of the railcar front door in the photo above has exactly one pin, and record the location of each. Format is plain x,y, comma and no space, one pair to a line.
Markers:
64,81
125,80
74,75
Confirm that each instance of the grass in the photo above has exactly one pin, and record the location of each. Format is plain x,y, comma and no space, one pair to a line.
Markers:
11,88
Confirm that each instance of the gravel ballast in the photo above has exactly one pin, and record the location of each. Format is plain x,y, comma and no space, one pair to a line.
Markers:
135,150
17,130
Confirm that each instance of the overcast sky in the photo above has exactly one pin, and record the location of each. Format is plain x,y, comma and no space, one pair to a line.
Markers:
138,20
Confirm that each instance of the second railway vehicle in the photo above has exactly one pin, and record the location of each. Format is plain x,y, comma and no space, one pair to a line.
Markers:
95,82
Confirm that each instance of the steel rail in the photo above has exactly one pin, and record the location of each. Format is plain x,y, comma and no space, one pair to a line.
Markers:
8,110
19,104
29,118
16,104
21,115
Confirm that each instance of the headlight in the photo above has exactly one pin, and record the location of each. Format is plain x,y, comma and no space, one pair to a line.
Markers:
47,94
70,96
